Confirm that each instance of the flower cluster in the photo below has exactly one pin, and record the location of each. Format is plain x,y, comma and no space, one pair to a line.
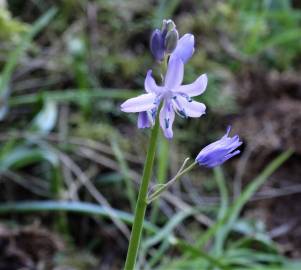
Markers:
164,41
171,97
174,97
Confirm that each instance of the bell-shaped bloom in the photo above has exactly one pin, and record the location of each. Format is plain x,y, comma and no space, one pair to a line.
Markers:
175,98
218,152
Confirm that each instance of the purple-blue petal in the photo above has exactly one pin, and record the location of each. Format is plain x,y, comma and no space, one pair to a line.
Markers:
174,74
185,48
143,120
141,103
190,107
166,117
150,84
196,88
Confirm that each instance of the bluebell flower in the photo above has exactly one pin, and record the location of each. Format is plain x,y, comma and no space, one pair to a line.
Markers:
184,50
175,98
218,152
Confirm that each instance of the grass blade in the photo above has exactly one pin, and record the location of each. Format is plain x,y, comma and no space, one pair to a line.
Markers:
125,171
224,194
67,206
72,95
195,252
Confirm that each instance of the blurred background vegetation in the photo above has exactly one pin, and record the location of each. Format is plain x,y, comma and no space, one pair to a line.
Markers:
70,161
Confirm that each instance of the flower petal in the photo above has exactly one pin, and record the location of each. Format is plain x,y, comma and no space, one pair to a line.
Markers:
167,116
187,107
174,74
230,155
185,48
139,104
150,84
143,120
196,88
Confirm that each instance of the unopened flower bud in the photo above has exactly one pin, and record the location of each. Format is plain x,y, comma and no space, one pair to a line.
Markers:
164,41
157,45
218,152
170,25
171,40
164,28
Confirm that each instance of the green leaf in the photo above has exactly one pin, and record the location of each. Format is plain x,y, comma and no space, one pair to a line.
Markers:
22,156
76,207
72,95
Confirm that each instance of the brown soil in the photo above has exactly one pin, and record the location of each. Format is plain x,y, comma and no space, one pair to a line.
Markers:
27,247
270,122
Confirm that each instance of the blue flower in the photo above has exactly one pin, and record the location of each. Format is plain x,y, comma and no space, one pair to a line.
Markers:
218,152
175,98
184,50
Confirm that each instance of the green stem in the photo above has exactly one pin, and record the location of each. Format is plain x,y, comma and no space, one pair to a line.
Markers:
141,202
157,193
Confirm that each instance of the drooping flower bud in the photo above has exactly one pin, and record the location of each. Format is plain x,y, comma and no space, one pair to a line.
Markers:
171,41
218,152
157,45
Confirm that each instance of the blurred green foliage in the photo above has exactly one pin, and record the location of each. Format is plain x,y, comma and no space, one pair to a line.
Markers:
11,29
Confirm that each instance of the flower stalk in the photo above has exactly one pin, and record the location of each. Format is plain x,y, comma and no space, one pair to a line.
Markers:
141,201
157,108
163,187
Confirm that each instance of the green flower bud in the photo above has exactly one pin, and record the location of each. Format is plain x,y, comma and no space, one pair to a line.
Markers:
170,25
167,25
171,40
